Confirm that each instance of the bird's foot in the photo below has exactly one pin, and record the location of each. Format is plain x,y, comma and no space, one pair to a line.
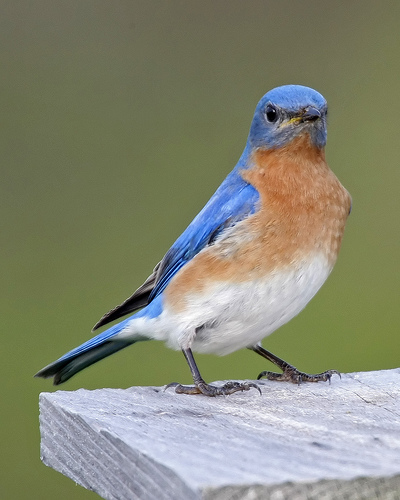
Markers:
211,390
292,374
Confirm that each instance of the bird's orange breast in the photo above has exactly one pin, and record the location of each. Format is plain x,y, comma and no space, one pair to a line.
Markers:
304,207
302,214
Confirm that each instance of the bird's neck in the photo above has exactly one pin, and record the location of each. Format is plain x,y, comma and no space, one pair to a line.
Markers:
298,167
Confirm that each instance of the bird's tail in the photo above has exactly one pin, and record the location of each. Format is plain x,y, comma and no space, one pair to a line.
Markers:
90,352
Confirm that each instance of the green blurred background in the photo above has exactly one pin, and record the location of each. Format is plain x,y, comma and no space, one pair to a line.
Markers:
118,121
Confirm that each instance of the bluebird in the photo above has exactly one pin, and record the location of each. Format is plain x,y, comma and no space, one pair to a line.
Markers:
250,261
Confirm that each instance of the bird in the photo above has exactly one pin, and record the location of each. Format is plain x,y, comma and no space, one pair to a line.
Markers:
249,262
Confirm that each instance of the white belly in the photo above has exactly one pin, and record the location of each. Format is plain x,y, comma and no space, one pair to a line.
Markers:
231,316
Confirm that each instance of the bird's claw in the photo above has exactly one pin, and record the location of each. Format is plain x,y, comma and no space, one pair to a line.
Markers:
292,374
212,390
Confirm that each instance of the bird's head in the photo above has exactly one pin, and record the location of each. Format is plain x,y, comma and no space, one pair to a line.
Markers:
287,112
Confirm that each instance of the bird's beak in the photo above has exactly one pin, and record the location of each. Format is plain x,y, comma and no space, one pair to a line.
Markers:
310,114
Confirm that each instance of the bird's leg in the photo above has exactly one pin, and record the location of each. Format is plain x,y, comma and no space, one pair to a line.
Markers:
290,373
201,387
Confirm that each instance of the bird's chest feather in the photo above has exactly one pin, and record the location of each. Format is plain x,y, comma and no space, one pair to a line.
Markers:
303,207
301,219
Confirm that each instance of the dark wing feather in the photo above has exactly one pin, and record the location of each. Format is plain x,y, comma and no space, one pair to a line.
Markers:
136,301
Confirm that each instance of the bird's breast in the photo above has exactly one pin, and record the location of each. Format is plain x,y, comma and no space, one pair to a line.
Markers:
301,217
303,206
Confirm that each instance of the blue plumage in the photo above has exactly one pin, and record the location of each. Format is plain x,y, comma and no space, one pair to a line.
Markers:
232,202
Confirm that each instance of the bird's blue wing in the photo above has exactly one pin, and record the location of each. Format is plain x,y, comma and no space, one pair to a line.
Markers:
234,200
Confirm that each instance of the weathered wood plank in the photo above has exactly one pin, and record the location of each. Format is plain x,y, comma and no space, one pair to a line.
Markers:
298,442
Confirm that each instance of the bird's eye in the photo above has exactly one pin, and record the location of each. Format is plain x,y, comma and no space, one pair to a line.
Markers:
271,113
